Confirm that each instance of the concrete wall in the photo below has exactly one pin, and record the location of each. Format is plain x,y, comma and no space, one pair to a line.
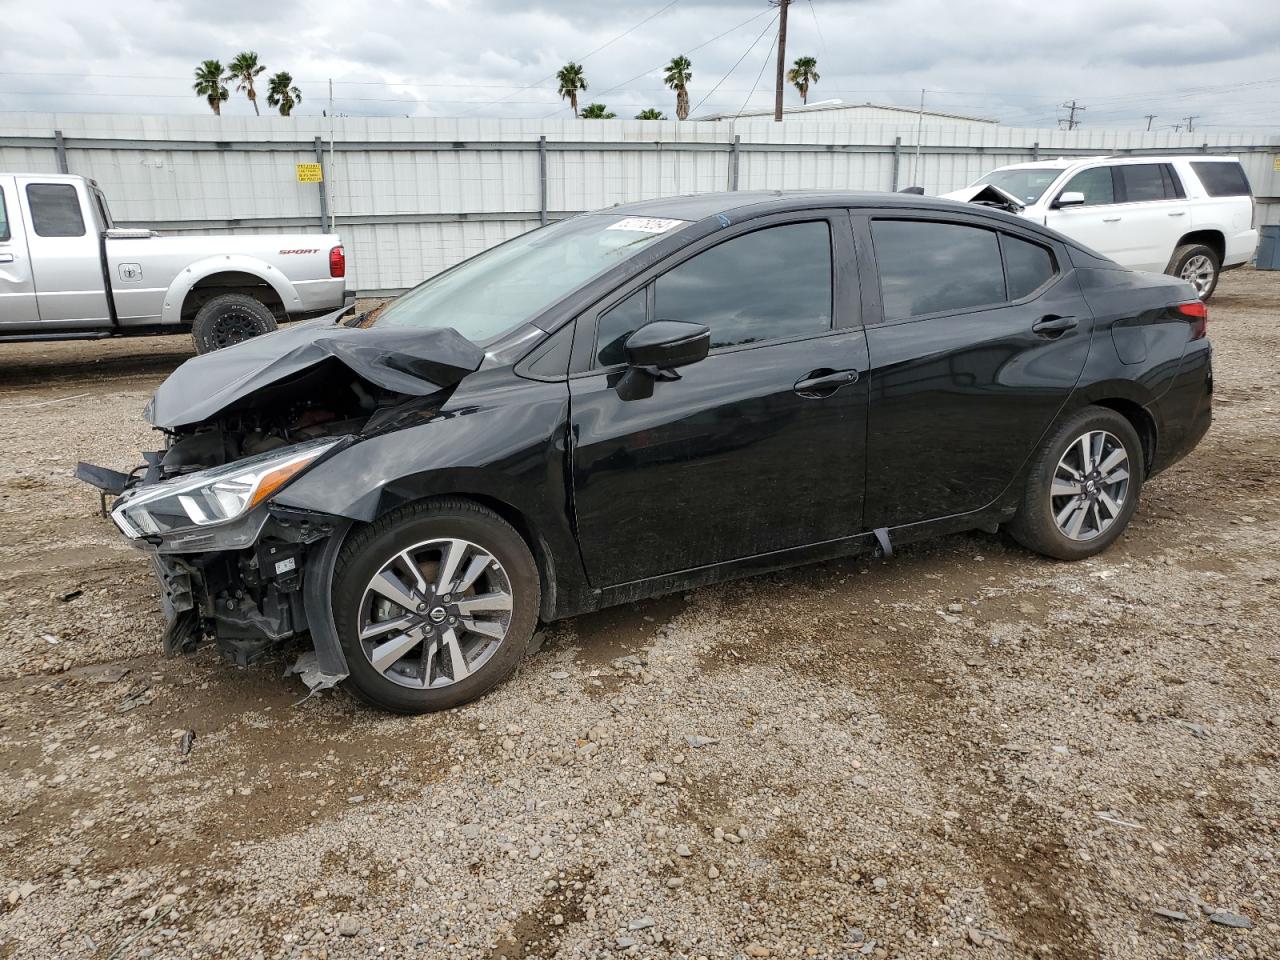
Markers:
413,196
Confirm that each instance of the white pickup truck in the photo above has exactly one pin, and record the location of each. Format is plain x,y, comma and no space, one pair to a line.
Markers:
67,273
1188,216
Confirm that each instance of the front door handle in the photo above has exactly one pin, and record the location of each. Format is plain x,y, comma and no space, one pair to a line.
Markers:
1052,325
823,382
1177,213
1110,219
6,258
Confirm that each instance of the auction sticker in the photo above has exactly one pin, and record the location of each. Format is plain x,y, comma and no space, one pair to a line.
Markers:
646,224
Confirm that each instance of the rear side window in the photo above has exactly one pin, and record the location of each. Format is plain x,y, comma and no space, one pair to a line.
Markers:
1142,182
4,219
1095,184
1027,266
1222,179
55,210
771,284
929,267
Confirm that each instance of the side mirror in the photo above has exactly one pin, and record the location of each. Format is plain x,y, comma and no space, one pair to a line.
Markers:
667,344
1071,198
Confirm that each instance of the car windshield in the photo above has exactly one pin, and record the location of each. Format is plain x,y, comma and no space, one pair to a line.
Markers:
496,291
1028,184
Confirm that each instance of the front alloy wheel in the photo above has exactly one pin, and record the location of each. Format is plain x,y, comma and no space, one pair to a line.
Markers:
435,613
435,603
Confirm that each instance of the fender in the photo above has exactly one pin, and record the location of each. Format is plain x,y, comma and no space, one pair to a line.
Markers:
176,295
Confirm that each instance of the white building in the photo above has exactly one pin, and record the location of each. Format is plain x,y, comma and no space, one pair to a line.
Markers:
837,111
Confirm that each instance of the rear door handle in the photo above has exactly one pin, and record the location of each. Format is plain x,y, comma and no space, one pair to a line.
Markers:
1053,325
6,258
822,383
1177,213
1110,219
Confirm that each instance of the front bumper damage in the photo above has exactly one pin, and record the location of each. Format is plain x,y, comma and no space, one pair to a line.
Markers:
255,601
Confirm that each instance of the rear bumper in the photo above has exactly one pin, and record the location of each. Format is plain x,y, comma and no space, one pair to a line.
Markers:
320,296
1240,248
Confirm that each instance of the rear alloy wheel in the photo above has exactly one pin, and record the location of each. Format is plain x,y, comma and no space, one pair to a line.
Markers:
228,319
1083,486
435,604
1199,266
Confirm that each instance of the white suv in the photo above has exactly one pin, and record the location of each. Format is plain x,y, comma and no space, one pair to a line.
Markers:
1191,216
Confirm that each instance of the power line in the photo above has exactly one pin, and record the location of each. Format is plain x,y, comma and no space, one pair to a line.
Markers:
735,66
764,63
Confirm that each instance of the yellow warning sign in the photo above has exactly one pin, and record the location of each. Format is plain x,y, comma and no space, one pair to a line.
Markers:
1275,164
310,173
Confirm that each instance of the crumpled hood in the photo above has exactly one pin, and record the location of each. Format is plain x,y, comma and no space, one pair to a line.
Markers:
985,193
412,362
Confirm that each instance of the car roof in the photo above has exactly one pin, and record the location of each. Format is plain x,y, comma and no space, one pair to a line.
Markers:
737,204
1064,163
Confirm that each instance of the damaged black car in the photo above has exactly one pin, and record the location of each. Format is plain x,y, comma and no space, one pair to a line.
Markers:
645,399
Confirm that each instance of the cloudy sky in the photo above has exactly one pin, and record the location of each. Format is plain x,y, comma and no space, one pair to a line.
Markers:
1016,60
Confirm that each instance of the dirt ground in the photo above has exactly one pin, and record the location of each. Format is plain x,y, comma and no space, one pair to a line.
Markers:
964,751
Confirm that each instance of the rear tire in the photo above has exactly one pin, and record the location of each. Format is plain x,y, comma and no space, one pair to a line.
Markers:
1198,265
1076,503
464,622
230,318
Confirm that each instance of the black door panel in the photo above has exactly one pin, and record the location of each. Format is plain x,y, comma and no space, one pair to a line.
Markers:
726,462
958,401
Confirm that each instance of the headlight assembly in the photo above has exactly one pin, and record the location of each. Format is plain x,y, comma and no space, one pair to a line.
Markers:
215,496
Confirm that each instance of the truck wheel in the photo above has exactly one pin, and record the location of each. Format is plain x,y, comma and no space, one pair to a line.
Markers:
1199,266
1083,487
435,604
230,318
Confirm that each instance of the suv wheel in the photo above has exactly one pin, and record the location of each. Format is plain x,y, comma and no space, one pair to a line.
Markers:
1083,487
230,318
1199,266
435,604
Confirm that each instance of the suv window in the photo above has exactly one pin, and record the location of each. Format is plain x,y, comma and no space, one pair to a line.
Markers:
55,210
771,284
4,218
928,267
1027,266
1095,184
1222,179
1142,182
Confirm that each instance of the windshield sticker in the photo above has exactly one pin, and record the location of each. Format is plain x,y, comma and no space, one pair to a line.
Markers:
646,224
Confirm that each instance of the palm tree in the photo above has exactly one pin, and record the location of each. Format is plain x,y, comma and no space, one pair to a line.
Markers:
803,73
651,114
571,81
209,85
597,111
242,70
679,73
282,93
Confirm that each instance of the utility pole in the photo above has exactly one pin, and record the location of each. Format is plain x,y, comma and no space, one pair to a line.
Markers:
915,164
782,57
1150,117
1070,120
1190,121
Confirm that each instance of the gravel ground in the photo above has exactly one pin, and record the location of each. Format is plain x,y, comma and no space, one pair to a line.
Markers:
965,751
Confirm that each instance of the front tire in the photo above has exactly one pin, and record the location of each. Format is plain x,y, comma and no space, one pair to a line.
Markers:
230,318
435,604
1199,266
1083,486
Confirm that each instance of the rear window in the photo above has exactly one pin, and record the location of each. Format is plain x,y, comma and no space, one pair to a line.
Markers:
55,210
4,219
1222,179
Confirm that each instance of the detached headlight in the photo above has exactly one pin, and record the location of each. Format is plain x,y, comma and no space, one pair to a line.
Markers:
213,496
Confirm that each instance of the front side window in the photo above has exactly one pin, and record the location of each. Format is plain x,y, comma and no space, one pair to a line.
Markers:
929,267
496,291
1222,179
4,219
618,324
1142,182
55,210
771,284
1095,184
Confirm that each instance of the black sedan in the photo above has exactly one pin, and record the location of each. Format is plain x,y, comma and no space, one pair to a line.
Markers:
648,398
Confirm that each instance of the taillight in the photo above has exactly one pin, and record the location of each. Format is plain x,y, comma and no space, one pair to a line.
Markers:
337,263
1197,313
